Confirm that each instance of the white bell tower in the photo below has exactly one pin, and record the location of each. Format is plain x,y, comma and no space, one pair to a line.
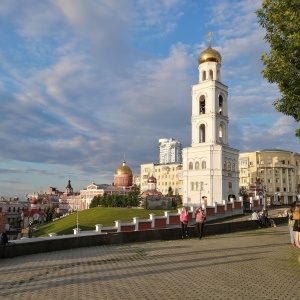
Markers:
210,166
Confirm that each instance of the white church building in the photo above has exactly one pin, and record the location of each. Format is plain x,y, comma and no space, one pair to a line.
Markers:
210,166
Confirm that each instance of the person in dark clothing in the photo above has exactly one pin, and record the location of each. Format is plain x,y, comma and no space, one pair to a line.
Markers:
3,238
200,218
264,217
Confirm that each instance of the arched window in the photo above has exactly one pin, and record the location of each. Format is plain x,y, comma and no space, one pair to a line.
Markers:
221,129
202,105
220,105
203,75
233,167
203,165
190,166
224,165
211,74
202,133
14,209
197,165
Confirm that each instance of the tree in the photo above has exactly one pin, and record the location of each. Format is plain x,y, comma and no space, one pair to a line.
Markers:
281,18
50,213
245,194
170,192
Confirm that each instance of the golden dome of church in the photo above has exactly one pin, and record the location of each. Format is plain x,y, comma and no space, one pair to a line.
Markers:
123,176
209,54
123,170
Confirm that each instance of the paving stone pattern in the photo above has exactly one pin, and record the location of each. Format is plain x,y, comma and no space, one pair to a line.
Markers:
258,264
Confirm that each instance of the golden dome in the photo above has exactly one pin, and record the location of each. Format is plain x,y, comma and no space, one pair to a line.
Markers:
209,54
123,170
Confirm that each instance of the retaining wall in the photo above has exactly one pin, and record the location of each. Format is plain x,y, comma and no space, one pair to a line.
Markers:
56,243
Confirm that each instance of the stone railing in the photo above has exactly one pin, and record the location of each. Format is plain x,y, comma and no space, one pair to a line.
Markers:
87,239
217,211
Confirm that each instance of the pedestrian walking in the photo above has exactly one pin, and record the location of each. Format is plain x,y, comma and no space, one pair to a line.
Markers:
296,227
184,222
291,223
200,218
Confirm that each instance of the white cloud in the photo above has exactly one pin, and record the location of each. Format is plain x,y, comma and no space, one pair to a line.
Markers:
84,82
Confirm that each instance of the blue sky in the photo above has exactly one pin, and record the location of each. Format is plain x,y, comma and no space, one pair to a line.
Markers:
83,83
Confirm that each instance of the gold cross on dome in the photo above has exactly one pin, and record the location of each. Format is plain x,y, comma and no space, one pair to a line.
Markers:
209,34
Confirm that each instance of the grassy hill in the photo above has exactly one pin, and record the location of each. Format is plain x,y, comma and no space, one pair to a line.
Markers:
87,219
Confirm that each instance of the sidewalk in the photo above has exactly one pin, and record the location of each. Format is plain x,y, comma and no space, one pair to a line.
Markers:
258,264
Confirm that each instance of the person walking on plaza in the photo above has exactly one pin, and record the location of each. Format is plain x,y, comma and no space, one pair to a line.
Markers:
291,223
296,227
184,222
200,218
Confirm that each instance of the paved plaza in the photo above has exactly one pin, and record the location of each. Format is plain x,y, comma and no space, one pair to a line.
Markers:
258,264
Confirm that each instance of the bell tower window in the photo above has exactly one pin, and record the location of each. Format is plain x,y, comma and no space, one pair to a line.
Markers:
221,130
202,105
203,75
220,105
211,74
202,133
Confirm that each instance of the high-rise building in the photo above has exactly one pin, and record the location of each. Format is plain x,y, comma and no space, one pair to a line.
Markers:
278,171
210,166
170,151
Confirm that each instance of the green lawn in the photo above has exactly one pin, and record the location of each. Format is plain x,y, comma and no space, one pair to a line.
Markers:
87,219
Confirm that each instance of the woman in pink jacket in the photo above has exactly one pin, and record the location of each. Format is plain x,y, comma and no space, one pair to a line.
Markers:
200,218
184,222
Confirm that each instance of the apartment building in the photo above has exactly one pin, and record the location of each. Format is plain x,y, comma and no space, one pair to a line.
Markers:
170,151
277,171
167,175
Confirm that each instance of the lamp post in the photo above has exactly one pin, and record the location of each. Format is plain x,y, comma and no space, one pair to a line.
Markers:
77,219
29,231
201,187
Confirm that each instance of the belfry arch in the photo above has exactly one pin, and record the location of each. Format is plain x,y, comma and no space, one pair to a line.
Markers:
202,105
202,133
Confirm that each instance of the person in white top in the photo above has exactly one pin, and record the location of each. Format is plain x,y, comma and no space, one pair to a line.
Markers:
255,217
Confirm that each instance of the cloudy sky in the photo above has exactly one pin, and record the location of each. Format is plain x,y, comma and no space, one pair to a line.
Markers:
84,83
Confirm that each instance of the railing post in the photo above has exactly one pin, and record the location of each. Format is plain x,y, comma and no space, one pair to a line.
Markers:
136,221
152,218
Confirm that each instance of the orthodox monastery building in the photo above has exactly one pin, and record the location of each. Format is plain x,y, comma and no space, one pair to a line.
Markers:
210,166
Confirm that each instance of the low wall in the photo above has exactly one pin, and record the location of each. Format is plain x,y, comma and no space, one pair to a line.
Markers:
56,243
